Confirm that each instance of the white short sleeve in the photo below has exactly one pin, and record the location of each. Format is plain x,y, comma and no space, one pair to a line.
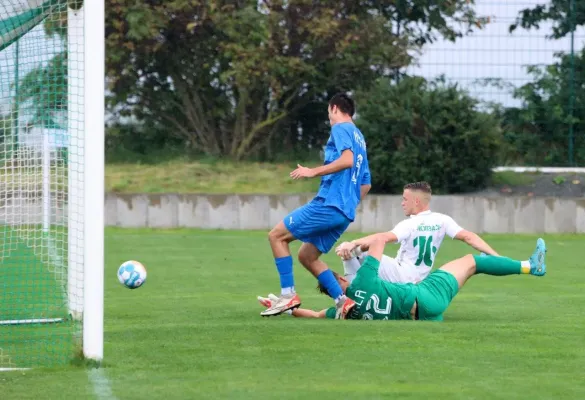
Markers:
402,230
451,227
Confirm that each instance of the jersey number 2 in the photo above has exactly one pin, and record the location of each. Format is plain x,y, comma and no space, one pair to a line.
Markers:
425,250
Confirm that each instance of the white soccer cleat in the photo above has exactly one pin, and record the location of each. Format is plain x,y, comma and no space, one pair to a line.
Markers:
282,304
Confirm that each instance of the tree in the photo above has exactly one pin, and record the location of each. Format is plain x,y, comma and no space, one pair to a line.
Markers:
538,131
425,21
420,130
5,127
553,103
231,77
44,88
559,12
225,75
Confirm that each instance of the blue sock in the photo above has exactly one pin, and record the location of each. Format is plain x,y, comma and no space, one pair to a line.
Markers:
327,279
284,265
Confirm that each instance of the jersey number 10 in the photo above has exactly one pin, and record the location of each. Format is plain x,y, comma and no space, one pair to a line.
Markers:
425,250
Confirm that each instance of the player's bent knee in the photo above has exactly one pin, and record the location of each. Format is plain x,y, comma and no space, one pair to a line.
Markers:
462,266
280,234
468,259
470,263
273,235
461,262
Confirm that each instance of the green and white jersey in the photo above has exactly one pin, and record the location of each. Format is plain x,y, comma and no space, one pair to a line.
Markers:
377,299
352,314
420,238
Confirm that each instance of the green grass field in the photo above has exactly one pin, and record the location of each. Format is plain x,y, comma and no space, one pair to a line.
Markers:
230,177
193,331
207,177
32,286
203,176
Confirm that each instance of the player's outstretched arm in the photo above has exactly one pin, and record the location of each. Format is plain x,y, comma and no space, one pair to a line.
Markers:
343,162
376,248
473,240
344,250
304,313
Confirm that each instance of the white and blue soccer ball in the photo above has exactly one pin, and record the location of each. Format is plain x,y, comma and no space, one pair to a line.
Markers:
132,274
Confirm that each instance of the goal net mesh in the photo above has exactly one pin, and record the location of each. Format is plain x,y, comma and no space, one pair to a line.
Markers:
41,153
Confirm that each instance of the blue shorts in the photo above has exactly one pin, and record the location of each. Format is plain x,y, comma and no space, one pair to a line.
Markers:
317,224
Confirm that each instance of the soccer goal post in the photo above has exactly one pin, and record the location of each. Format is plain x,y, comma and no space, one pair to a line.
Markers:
51,181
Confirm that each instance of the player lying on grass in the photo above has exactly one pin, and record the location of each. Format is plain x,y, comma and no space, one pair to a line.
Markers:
420,237
370,297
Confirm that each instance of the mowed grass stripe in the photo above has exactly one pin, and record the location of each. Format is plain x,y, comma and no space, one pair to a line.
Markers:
194,330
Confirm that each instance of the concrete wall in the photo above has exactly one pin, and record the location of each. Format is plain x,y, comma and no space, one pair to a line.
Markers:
376,213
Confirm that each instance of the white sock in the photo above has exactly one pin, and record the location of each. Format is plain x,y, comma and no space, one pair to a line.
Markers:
350,268
287,291
340,299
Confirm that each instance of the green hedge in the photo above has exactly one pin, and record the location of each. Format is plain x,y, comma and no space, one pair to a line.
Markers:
418,130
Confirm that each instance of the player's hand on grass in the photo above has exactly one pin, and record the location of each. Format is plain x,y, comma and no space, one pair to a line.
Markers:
302,172
344,250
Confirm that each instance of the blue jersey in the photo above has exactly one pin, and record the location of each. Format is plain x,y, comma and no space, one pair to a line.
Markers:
342,189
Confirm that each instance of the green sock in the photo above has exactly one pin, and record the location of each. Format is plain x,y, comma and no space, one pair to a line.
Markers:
498,266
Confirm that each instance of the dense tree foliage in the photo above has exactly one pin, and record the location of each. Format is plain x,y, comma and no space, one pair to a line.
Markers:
248,78
538,131
419,130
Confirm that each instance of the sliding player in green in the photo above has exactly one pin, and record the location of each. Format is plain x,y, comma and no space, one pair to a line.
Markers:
370,297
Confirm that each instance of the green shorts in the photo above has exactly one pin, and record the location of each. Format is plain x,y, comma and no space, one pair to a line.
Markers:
435,293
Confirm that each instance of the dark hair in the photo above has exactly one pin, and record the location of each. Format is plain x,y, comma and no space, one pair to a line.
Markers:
344,103
322,289
422,186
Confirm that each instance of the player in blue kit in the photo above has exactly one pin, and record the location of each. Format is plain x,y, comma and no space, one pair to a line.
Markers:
345,180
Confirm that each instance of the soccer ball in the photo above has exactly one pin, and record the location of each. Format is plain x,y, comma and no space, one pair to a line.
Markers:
132,274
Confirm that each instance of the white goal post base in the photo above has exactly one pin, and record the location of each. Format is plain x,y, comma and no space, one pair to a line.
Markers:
32,321
543,170
13,369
